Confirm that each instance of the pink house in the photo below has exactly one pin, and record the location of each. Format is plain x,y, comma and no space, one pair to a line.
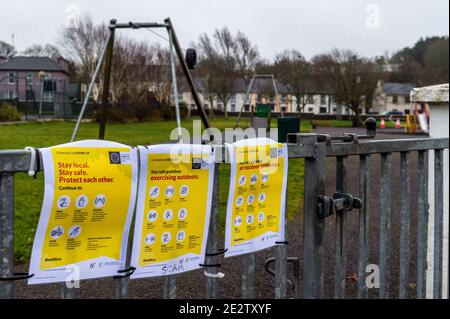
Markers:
25,78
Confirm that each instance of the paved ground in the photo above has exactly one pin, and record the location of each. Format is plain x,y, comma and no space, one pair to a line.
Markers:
191,285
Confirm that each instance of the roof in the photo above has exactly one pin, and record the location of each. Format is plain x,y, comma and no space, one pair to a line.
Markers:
431,94
241,85
394,88
31,63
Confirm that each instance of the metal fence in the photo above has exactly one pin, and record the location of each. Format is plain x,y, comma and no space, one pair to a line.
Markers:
317,209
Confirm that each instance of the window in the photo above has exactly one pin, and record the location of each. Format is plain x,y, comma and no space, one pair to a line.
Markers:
334,110
323,99
310,109
407,99
395,99
48,96
30,78
283,108
11,78
11,95
323,109
310,99
233,107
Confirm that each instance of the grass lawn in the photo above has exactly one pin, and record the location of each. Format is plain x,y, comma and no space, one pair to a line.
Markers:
29,191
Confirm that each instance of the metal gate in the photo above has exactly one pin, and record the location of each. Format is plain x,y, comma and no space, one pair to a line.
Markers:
319,208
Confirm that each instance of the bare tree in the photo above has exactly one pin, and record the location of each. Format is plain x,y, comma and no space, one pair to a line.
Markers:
294,71
246,55
47,50
7,50
352,78
83,44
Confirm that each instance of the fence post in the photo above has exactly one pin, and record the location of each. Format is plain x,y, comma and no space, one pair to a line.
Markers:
341,226
212,284
313,283
281,260
6,234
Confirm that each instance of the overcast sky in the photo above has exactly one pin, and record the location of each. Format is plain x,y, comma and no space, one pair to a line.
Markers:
370,27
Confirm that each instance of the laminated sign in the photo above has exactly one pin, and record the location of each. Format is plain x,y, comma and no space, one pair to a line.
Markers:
256,200
173,211
89,198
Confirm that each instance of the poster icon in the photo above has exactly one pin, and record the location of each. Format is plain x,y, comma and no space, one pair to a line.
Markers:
168,214
150,239
250,219
181,235
264,178
57,232
262,197
114,157
250,199
253,179
154,191
166,237
239,201
238,221
99,201
182,213
81,201
261,217
63,202
170,191
184,190
242,180
152,216
74,231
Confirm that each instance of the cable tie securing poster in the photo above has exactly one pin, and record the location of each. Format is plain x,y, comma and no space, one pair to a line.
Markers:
256,200
173,210
89,199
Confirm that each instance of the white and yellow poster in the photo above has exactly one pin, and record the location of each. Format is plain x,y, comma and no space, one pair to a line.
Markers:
173,211
89,198
256,201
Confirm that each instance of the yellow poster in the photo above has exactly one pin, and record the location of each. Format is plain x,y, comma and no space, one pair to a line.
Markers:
173,211
89,198
256,200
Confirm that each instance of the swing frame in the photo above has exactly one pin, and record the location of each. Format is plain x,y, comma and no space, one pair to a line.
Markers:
106,60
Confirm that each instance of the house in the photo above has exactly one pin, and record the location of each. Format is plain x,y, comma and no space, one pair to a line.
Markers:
392,96
26,78
318,101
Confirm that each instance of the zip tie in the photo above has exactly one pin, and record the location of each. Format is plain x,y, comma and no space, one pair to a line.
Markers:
129,271
282,242
219,252
210,275
17,276
31,170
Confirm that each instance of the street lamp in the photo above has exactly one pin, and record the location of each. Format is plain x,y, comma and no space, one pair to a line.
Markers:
41,76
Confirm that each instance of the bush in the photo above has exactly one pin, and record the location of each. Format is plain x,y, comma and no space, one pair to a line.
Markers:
8,113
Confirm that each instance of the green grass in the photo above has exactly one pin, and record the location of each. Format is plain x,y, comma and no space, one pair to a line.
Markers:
29,191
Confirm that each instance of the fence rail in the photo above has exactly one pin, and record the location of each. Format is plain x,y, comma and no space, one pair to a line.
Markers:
314,149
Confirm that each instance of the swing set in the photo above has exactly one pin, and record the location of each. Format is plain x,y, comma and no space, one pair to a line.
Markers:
188,62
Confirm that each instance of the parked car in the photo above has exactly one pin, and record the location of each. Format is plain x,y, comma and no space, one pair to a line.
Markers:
392,113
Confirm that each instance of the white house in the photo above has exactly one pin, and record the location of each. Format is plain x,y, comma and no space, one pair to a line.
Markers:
392,96
319,101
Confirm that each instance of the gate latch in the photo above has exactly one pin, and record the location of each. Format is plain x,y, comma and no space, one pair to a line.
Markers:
339,203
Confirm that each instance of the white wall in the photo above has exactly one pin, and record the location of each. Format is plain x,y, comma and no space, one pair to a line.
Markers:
439,127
